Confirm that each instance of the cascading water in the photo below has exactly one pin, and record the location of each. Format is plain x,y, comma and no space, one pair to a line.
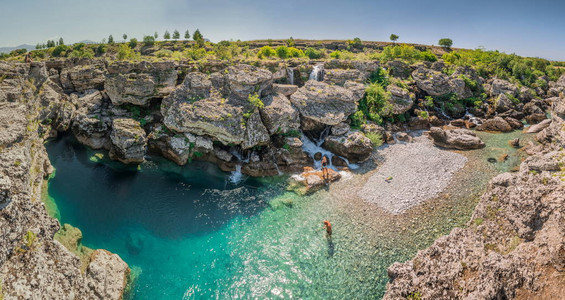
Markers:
317,73
312,148
472,118
236,175
290,73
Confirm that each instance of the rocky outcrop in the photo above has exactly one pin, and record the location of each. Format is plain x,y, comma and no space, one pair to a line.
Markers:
84,76
439,84
513,246
400,99
32,264
539,127
495,124
460,139
323,103
138,83
129,141
278,114
106,275
500,86
354,146
311,180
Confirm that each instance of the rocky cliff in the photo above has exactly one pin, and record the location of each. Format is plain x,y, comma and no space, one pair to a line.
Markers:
32,264
514,244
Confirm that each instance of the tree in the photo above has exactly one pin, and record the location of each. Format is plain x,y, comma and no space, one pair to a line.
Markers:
186,35
446,43
198,38
149,40
61,42
167,35
110,39
155,36
394,37
176,35
125,36
133,43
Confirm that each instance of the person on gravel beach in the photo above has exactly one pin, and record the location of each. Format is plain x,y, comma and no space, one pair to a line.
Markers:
325,174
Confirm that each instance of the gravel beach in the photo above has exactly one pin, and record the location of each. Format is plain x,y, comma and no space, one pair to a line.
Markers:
419,171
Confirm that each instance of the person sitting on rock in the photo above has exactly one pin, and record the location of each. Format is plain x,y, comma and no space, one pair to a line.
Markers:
325,174
28,58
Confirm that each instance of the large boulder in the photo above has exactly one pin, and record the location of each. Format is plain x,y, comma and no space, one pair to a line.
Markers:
285,89
503,103
324,103
138,83
129,141
500,86
540,126
107,275
400,99
354,146
460,139
495,124
278,114
218,106
340,76
432,82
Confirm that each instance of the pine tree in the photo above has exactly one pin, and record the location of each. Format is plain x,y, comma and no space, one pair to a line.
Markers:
198,38
60,42
125,36
167,35
110,39
186,35
176,35
156,35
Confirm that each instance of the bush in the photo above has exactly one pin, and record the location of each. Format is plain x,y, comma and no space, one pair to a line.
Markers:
375,105
148,40
342,55
403,52
60,50
428,56
18,52
294,52
255,101
313,53
266,51
282,52
376,138
101,49
195,53
379,76
132,43
79,46
125,52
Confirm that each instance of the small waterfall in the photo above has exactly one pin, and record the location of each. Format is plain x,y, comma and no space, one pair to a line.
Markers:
236,175
290,72
311,148
317,73
472,118
275,163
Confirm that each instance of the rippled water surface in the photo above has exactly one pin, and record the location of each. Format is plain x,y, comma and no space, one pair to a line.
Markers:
188,233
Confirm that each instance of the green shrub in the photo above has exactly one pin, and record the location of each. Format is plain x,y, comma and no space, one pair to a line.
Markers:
313,53
266,51
295,52
60,51
79,46
255,101
428,56
376,138
133,43
375,105
424,114
18,52
358,119
164,53
402,52
149,40
195,53
379,76
446,43
125,52
282,52
101,49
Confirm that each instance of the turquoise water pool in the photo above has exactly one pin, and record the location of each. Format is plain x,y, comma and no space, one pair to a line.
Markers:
188,233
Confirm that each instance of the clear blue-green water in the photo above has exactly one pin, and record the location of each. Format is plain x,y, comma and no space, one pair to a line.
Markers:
188,233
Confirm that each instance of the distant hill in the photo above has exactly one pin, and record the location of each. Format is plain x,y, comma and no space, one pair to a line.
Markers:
10,49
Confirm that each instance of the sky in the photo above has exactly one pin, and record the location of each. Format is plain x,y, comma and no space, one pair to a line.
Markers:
529,28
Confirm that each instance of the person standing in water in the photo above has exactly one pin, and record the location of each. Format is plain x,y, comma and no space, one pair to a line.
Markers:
325,174
328,228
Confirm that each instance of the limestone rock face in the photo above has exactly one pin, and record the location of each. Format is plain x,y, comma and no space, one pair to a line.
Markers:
91,131
129,141
460,139
500,86
432,82
218,105
107,275
354,146
401,99
255,132
495,124
503,103
138,83
540,126
83,77
285,89
323,103
179,148
278,114
340,76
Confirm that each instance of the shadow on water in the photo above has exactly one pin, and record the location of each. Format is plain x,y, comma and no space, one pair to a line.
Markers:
168,200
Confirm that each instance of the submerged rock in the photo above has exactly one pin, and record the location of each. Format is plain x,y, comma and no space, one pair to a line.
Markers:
461,139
